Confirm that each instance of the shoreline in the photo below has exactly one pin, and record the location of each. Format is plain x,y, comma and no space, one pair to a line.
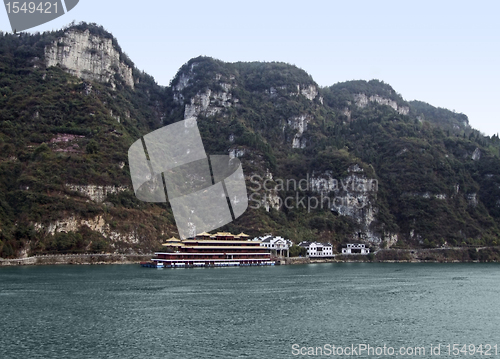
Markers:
413,255
77,259
430,255
329,260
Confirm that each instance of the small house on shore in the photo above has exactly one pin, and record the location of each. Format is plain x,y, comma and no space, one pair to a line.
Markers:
356,248
317,250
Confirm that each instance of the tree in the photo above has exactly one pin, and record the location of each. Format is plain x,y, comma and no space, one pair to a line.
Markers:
92,147
296,251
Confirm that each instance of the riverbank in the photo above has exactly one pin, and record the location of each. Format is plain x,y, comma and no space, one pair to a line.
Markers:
412,255
78,259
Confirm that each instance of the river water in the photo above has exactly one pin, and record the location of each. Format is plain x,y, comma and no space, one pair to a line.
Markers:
125,311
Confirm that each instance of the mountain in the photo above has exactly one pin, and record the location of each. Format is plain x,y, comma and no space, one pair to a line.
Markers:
349,162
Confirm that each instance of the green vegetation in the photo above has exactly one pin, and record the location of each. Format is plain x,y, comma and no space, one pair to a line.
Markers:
296,251
57,130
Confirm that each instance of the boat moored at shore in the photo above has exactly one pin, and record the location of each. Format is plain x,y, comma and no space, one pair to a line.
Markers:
206,250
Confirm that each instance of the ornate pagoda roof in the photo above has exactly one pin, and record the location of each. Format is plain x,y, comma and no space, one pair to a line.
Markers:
242,235
204,234
223,234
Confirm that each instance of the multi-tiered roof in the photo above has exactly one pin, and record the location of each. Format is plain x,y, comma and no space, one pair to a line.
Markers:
213,249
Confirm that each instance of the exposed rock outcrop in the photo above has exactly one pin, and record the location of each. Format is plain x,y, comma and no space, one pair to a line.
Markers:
362,100
208,103
472,199
88,57
95,193
97,224
299,123
310,92
236,152
353,196
476,156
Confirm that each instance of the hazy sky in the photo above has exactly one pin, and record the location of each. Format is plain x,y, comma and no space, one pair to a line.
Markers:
445,53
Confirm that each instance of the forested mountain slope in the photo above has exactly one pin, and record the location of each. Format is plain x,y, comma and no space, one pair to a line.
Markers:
386,170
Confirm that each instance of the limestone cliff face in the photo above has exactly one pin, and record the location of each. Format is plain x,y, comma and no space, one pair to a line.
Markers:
88,57
299,123
96,193
362,101
353,196
97,224
209,103
206,102
308,91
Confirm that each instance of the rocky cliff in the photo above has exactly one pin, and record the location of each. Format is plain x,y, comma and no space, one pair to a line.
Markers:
89,57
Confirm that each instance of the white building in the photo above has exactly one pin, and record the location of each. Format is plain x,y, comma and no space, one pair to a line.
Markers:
279,244
317,250
356,248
